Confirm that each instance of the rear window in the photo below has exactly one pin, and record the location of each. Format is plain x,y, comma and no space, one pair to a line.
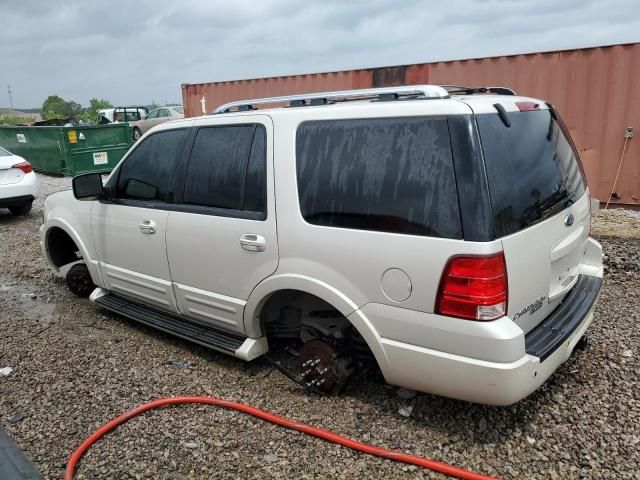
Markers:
388,175
532,169
4,153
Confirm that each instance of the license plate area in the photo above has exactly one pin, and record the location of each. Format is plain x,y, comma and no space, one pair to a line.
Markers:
565,265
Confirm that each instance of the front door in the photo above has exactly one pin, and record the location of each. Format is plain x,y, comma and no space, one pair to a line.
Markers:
129,228
223,241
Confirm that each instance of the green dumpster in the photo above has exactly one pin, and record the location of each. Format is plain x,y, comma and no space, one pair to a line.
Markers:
69,150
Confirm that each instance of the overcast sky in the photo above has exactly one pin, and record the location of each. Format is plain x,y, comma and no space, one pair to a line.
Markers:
136,52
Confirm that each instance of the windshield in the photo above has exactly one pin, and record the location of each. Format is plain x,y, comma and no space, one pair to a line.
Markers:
4,153
532,169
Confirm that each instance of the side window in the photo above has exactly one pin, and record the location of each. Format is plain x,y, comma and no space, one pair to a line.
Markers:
227,168
255,185
149,172
389,175
163,112
152,114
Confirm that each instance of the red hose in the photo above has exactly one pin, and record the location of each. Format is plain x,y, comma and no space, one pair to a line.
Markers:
283,422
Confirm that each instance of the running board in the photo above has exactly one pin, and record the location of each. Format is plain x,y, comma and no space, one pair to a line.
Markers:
231,343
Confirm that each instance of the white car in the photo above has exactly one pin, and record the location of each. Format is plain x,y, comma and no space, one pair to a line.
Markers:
438,234
19,184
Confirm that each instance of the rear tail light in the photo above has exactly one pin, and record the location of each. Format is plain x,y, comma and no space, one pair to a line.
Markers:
24,166
474,287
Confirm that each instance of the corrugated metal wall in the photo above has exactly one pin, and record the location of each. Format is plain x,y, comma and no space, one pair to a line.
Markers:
595,90
218,93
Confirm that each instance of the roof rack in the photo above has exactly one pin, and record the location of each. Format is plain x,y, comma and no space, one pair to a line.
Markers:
381,94
461,90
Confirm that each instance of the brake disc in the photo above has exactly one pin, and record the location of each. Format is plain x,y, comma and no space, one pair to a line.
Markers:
322,368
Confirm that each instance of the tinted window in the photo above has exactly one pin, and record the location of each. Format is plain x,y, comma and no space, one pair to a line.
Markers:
149,171
4,153
532,169
391,175
227,168
255,187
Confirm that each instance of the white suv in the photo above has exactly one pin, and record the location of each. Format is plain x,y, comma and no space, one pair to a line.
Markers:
442,232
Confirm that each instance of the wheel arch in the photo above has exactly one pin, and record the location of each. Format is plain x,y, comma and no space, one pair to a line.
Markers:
349,309
60,227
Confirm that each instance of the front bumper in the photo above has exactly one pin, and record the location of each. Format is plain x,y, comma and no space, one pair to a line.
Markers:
486,380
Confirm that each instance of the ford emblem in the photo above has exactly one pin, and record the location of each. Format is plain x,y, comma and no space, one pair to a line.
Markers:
568,220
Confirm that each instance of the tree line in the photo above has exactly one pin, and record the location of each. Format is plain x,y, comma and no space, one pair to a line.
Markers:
57,107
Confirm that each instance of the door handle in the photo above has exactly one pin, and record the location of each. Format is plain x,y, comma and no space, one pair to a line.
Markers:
147,227
253,243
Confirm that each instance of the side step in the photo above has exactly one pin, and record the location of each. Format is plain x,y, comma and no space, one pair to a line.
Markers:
231,343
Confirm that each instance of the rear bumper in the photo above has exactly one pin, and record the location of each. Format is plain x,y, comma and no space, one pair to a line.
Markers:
489,381
18,193
544,339
15,201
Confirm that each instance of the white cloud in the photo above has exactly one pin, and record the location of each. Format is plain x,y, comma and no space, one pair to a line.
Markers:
136,52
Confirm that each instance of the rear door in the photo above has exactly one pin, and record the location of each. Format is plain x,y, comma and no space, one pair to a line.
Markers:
540,208
221,241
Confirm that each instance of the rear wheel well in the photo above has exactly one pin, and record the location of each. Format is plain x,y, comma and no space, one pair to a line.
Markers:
293,299
295,315
61,247
314,341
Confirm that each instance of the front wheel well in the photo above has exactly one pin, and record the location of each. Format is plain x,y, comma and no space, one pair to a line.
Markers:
61,247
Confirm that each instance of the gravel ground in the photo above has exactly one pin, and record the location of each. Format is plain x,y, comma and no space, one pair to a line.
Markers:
77,367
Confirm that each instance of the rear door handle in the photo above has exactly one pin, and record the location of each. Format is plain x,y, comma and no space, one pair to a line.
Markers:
148,227
253,242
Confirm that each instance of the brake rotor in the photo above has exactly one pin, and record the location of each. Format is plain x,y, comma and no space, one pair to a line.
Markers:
316,365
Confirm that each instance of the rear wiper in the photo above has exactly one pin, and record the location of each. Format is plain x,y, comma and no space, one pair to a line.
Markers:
545,209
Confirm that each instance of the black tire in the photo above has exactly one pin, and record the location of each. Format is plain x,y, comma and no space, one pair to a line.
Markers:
20,210
79,280
136,134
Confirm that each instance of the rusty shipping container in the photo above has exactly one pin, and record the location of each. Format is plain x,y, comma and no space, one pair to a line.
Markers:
595,90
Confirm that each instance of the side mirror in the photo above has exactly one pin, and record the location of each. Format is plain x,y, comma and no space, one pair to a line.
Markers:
88,186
